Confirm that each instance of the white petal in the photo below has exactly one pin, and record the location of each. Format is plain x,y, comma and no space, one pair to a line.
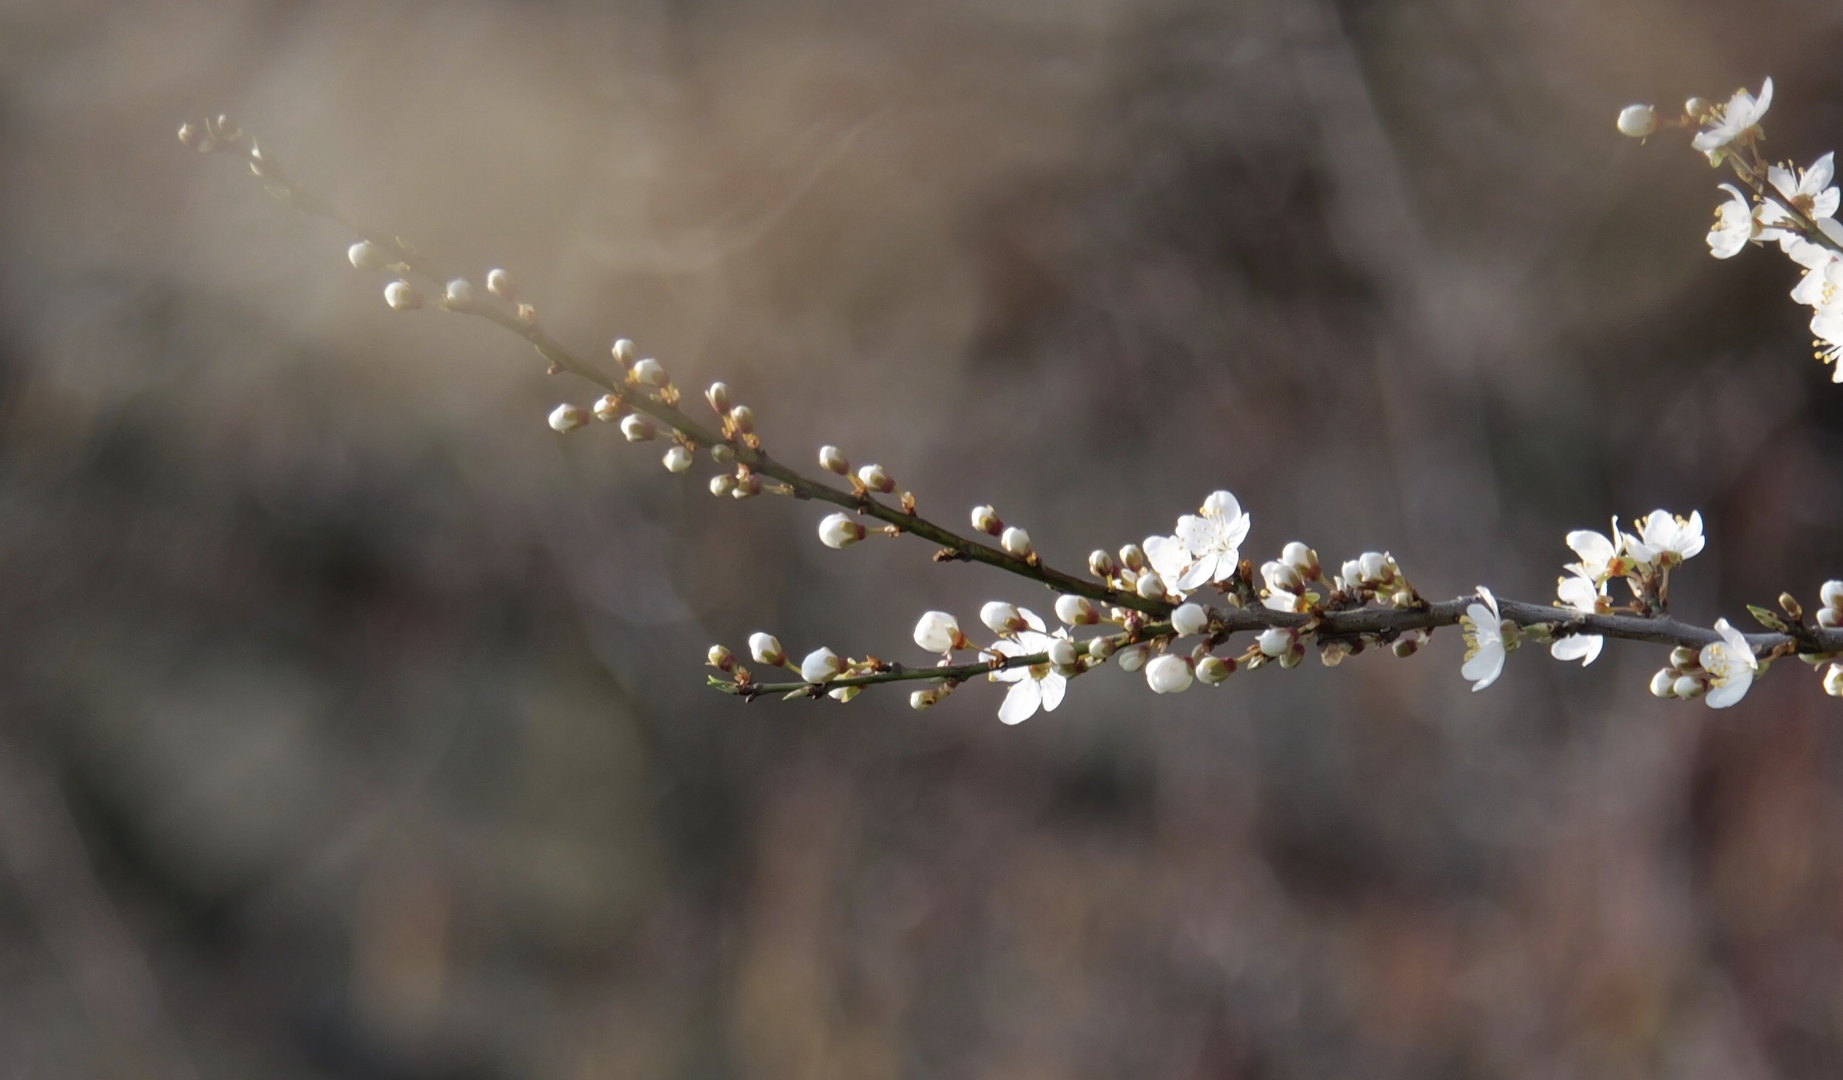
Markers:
1819,175
1824,203
1021,703
1491,602
1221,504
1582,647
1168,555
1484,668
1032,620
1781,178
1198,534
1196,574
1050,688
1578,593
1594,548
1732,691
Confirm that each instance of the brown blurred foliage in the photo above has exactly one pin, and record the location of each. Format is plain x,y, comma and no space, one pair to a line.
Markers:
351,723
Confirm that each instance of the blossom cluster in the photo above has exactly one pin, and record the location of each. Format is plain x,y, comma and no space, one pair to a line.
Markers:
1782,203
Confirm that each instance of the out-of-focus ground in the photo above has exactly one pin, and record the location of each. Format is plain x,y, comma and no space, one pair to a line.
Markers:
351,722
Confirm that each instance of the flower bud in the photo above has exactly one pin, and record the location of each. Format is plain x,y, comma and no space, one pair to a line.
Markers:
1101,564
1281,577
366,255
1168,674
923,699
1015,541
1133,657
1663,684
1352,574
832,459
677,459
766,649
567,418
459,296
1100,648
722,453
191,135
402,296
840,531
939,632
1831,594
650,372
1683,658
821,665
1687,688
638,428
1214,670
1077,610
1132,558
743,419
1276,641
722,659
1833,680
499,283
1063,654
1002,618
748,486
1189,619
1829,618
1409,643
1150,586
1637,121
609,408
722,484
623,351
1698,108
719,397
1302,559
986,520
1374,566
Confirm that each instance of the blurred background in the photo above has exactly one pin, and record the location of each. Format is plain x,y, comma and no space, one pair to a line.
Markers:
352,722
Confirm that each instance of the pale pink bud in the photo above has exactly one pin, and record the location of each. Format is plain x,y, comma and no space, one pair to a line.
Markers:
567,418
766,649
1168,674
1015,541
499,283
1077,610
402,296
638,428
840,531
832,459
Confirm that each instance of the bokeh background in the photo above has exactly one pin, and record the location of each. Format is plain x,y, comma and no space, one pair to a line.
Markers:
352,722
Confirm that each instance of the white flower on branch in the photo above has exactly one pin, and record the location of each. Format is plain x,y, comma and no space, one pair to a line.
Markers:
1734,225
1034,686
1600,556
939,632
923,699
650,372
844,693
1730,664
1276,641
1827,328
1733,121
1830,616
1665,539
1581,593
766,649
1168,674
1484,639
623,352
821,665
840,531
1213,538
986,520
459,295
1189,619
1663,684
725,484
1810,193
1064,655
1150,586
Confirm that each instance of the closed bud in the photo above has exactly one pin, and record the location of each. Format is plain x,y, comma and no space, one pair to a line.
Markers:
459,295
1101,564
638,428
1352,574
366,255
1002,618
623,351
844,693
677,459
1015,541
742,418
1150,586
650,372
832,459
1829,618
1063,653
719,397
1698,108
748,485
1637,121
986,520
1790,605
939,632
1132,558
1663,684
1133,657
722,659
766,649
1687,688
923,699
1077,610
609,408
567,418
1100,648
1214,670
722,453
1683,658
1189,619
1409,643
876,479
1833,680
821,665
840,531
499,283
1831,594
1374,566
191,135
1302,559
1276,641
402,296
1168,674
722,484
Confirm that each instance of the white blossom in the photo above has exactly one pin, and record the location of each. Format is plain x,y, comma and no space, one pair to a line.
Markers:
567,418
1484,638
1732,121
1303,560
1582,594
1168,674
1730,665
1033,686
1189,619
939,632
1665,539
840,531
1733,225
1811,193
1600,556
766,649
1213,538
821,665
